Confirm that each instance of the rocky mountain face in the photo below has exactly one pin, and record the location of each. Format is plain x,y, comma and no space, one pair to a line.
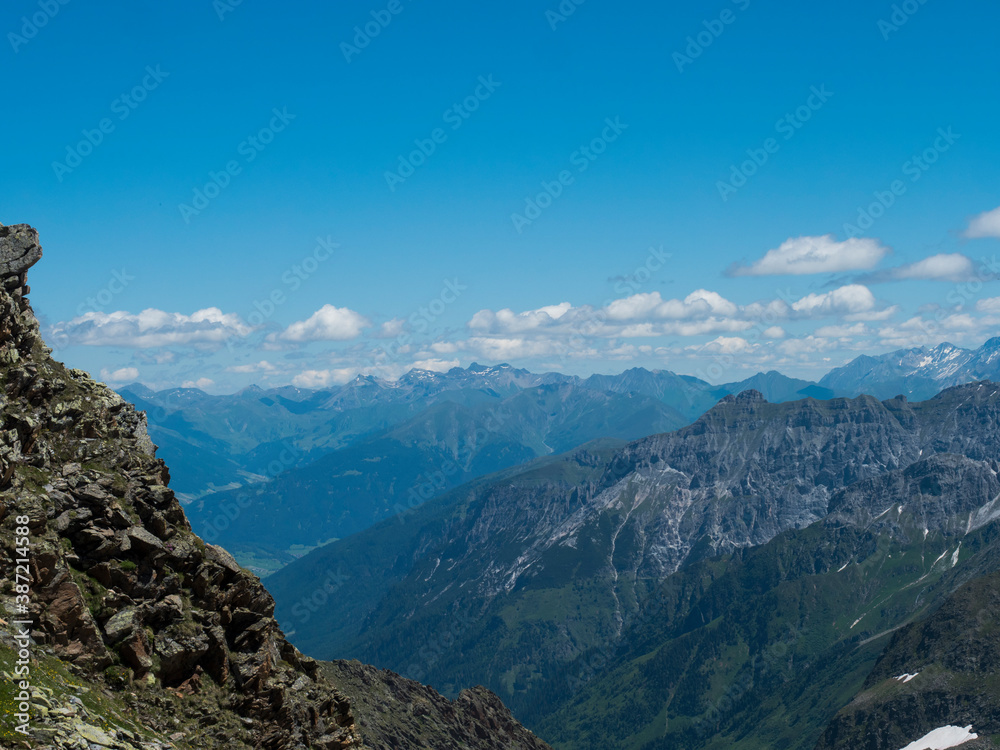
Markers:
763,647
513,579
142,634
943,671
917,373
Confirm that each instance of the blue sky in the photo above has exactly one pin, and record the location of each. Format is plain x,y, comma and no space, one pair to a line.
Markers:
576,187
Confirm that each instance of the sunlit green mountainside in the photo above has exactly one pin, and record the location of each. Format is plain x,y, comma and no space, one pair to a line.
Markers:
536,582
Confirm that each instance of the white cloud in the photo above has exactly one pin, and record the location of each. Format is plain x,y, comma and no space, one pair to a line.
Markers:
727,345
150,328
774,332
124,375
502,349
990,305
986,224
942,267
874,315
329,323
805,345
262,366
843,331
808,255
631,351
853,299
392,328
507,321
324,378
435,365
650,305
200,383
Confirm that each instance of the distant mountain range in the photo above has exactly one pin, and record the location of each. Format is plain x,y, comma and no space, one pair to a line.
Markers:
274,473
730,584
915,373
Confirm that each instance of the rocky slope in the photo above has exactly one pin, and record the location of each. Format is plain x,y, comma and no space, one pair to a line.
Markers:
761,648
175,643
942,671
393,712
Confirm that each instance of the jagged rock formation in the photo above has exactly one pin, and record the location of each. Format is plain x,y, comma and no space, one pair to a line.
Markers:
120,583
124,594
394,713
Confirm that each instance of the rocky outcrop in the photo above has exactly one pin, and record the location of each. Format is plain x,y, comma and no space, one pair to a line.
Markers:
122,590
394,713
19,251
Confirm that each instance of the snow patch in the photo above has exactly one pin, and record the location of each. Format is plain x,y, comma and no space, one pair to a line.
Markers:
943,738
954,558
841,568
904,678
